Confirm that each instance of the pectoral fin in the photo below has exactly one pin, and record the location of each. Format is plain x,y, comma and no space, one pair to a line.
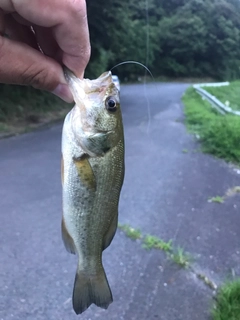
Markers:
67,239
85,172
111,232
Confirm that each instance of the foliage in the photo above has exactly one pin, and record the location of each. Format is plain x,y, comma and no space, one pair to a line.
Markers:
217,199
227,305
151,242
174,38
229,95
180,257
23,102
130,232
177,254
119,28
219,134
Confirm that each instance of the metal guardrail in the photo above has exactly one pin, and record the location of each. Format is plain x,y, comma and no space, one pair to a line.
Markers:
218,105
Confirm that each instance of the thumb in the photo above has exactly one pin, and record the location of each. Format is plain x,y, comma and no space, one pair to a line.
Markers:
23,65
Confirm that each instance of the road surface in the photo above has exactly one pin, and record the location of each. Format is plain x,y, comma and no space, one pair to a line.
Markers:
165,194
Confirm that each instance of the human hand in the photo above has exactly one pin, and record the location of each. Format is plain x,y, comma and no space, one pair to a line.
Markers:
58,27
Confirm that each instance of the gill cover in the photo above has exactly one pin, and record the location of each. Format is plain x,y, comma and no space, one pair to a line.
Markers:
87,89
94,119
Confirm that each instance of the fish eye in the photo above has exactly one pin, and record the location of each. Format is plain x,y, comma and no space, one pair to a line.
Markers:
111,104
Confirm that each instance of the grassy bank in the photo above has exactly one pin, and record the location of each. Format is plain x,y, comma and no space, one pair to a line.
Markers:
24,108
229,93
218,134
227,306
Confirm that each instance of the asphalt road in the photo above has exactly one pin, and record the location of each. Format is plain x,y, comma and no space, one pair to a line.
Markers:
165,194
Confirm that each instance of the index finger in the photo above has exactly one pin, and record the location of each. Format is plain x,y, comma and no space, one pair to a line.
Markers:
68,21
72,36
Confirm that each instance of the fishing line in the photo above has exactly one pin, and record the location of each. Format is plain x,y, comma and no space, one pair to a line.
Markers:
148,104
147,61
134,62
142,65
164,264
145,93
147,33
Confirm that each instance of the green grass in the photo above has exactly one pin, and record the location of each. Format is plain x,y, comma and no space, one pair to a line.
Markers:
218,134
180,257
229,93
152,242
177,254
22,105
130,232
3,127
217,199
227,305
19,101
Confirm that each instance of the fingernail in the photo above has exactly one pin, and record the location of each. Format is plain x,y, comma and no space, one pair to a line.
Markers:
63,92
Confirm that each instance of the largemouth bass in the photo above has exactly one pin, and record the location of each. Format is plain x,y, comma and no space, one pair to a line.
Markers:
92,178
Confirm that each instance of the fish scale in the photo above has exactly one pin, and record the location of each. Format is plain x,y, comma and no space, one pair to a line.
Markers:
92,178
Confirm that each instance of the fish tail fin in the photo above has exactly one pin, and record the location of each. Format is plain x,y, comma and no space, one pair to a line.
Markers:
90,289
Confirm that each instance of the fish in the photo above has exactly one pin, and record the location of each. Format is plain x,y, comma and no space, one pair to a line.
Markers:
92,174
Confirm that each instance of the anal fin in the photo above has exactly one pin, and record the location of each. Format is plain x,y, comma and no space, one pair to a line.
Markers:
67,239
110,233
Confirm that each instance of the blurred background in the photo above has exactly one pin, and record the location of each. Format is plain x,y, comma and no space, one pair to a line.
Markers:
175,39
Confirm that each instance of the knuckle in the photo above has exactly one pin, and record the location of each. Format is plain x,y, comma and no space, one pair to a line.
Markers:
85,54
77,7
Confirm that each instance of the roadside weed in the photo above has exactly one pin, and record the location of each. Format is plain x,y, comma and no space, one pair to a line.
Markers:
152,242
229,95
130,232
217,199
227,302
218,134
180,257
